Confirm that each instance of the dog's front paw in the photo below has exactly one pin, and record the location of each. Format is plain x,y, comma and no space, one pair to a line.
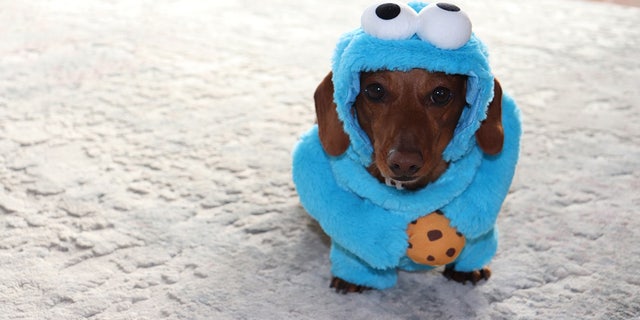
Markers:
463,277
344,287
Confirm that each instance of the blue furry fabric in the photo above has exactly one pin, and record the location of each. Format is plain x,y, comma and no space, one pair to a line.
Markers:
366,219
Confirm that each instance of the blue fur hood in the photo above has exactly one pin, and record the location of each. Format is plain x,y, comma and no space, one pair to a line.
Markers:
359,51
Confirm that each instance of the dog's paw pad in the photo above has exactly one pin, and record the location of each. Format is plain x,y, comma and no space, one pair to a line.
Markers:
462,277
344,287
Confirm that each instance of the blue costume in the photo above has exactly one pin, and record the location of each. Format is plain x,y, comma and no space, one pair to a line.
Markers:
366,219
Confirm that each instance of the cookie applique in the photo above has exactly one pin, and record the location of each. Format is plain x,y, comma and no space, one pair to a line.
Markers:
432,241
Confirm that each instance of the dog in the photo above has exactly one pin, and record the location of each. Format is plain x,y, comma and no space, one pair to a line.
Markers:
410,118
413,152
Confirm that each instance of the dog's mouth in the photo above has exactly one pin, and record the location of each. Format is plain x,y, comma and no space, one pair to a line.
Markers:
399,183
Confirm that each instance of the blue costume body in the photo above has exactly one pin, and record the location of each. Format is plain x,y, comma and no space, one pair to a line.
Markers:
366,219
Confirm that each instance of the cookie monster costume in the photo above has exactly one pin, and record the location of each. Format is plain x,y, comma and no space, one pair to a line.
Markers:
367,220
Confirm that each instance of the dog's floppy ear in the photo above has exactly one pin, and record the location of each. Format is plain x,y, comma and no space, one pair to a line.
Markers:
334,140
490,135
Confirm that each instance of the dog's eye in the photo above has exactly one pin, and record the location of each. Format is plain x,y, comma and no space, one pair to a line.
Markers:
444,25
374,92
440,96
389,21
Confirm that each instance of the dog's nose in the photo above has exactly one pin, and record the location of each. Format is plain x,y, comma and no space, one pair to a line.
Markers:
404,163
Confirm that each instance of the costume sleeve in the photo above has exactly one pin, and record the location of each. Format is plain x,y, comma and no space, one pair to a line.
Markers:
374,235
475,211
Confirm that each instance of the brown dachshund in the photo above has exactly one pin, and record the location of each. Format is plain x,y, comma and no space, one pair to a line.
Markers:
410,118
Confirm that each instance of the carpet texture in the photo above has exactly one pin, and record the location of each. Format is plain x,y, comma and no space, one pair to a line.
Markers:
145,152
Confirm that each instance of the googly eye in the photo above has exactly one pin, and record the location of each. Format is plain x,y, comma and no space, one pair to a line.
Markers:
444,25
389,21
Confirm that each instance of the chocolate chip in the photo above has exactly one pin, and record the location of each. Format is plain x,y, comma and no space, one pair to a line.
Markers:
434,235
431,258
451,252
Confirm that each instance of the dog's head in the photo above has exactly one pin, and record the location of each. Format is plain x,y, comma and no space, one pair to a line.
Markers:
409,118
408,92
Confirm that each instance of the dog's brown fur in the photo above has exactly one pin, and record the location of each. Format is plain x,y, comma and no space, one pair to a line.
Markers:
410,118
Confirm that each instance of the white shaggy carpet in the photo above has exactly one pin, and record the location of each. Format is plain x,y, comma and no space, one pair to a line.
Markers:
145,163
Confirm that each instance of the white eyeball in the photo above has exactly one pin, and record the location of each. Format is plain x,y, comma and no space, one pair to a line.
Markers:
444,25
390,21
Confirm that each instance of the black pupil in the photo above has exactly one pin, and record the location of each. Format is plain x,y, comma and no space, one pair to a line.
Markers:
388,11
440,96
448,7
374,91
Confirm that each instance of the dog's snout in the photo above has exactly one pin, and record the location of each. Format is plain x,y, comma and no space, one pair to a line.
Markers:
404,163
